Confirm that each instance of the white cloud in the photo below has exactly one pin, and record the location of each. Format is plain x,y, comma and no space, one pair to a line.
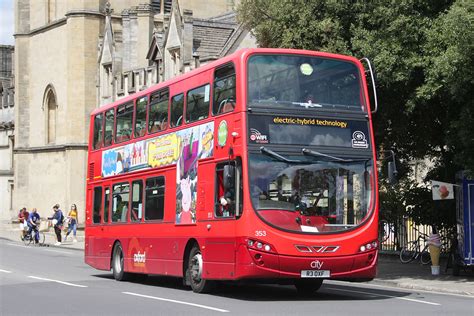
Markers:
7,23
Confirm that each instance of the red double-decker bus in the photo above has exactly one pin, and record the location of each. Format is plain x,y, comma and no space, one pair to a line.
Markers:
259,166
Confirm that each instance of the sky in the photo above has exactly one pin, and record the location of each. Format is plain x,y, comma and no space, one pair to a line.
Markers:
7,24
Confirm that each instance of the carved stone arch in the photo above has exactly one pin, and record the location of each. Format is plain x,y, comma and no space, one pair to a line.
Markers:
50,110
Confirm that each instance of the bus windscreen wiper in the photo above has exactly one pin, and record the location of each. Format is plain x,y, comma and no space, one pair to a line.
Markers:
277,156
313,153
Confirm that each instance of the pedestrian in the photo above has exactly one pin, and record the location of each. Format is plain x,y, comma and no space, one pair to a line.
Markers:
33,222
23,218
57,219
73,221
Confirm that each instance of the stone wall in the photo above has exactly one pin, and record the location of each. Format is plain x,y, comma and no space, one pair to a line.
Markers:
60,57
7,91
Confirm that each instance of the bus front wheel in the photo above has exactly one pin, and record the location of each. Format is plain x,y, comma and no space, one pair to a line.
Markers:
117,264
195,271
308,287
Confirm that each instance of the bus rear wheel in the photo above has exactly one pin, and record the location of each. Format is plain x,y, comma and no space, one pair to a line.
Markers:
308,287
194,272
117,264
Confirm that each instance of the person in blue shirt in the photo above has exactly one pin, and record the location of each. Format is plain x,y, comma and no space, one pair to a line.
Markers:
57,218
33,224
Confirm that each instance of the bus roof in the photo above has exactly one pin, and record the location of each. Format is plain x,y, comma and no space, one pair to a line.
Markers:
241,54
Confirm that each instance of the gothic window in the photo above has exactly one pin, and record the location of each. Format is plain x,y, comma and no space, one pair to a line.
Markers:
158,71
162,6
50,107
105,82
176,64
1,98
11,97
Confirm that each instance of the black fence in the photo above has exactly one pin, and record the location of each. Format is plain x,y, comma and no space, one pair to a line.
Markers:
393,236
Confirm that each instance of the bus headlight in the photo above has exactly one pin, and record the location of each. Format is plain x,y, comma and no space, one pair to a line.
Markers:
259,245
369,246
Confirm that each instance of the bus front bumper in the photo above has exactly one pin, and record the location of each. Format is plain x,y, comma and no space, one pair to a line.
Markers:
255,264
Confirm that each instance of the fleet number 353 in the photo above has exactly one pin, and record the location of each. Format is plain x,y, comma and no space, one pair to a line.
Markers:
260,233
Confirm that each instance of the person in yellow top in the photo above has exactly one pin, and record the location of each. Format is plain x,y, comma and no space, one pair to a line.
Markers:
72,220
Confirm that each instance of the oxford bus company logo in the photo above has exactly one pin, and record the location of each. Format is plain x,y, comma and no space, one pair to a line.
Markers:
316,264
258,137
139,258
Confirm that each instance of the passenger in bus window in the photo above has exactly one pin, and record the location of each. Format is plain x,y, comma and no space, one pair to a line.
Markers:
309,98
228,203
123,216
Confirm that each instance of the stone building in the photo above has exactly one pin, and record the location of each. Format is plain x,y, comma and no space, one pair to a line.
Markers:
7,127
142,47
73,56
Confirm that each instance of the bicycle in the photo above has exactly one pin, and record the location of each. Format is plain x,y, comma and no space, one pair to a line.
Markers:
411,251
385,231
29,237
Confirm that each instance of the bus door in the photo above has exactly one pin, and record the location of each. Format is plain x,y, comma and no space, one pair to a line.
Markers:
104,249
220,248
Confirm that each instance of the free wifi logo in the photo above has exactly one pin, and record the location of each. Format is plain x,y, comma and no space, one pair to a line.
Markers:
258,137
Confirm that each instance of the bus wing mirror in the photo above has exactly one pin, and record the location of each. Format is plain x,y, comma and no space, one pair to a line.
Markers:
392,172
372,77
229,176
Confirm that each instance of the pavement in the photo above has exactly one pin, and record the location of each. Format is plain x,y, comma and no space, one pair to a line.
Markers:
11,231
391,272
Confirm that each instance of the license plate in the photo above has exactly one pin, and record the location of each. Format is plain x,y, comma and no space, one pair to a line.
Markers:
315,273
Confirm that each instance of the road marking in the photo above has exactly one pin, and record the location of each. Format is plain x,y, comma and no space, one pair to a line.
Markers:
16,245
5,271
384,295
57,281
178,302
58,251
42,249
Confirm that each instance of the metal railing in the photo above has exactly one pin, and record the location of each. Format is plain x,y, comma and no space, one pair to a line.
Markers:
395,235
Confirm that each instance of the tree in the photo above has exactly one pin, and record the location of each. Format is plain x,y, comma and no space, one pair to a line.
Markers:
423,53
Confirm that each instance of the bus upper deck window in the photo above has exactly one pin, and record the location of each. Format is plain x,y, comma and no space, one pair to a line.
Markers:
124,120
158,111
224,90
98,131
140,117
109,127
197,104
177,107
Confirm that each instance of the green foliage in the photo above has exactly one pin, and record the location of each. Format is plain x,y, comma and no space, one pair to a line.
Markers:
423,52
